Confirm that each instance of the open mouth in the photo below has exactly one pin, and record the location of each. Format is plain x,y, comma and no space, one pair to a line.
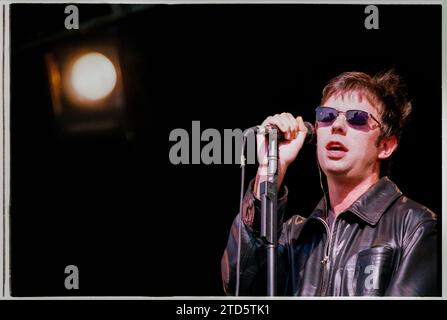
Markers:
336,146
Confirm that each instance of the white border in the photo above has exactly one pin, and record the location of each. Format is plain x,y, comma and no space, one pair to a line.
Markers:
5,156
5,150
378,2
2,224
444,149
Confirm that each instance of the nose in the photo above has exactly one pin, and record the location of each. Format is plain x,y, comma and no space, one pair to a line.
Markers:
339,125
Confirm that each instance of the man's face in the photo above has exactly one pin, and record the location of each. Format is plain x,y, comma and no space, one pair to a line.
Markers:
345,150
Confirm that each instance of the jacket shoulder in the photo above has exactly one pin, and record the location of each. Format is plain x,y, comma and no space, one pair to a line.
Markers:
412,218
413,210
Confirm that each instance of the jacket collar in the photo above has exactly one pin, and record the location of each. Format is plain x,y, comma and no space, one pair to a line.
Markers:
371,205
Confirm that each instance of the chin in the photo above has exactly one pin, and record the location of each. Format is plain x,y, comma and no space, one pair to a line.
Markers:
336,169
337,173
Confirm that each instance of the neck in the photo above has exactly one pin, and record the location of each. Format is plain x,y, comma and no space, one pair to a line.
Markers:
343,193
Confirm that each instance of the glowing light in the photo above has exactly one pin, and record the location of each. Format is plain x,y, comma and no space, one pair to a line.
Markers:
93,76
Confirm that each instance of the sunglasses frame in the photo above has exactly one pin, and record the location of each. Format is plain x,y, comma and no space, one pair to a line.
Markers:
344,112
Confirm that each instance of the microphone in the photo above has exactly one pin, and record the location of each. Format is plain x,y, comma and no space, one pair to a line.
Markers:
265,130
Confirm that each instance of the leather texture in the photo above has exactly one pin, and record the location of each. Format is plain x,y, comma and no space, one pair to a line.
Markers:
384,244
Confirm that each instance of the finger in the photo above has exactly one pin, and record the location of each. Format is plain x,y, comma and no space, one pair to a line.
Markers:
301,126
267,121
286,118
281,122
302,130
293,124
285,123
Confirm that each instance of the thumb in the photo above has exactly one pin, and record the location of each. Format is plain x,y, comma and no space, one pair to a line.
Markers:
302,131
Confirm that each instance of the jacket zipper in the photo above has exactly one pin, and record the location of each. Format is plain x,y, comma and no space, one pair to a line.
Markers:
325,262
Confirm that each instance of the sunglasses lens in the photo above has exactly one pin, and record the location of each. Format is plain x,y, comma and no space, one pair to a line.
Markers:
326,114
357,117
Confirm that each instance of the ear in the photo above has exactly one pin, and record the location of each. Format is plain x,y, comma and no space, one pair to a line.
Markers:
386,147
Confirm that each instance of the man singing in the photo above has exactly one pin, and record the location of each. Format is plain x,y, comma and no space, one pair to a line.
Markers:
364,238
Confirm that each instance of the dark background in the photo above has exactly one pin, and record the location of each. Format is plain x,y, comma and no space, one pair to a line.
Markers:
114,205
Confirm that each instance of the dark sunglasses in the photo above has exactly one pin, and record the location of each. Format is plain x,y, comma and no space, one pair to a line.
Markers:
353,117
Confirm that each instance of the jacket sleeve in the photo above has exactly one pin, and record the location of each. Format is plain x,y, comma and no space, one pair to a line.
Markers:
417,271
253,262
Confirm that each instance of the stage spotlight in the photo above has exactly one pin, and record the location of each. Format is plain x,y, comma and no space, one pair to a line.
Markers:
86,88
93,76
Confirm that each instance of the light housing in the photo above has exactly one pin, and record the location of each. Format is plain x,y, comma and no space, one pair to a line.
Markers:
86,88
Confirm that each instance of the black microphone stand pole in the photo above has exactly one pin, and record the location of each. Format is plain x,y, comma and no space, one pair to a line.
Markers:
269,196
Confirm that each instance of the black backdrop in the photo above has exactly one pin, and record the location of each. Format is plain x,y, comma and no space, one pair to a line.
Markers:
115,206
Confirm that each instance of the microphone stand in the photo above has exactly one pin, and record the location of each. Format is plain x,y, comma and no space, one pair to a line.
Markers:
269,198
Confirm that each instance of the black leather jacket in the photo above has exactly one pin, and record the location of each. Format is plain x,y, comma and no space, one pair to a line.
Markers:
383,244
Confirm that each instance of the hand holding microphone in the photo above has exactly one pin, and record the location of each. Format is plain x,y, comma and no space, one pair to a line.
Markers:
294,132
280,135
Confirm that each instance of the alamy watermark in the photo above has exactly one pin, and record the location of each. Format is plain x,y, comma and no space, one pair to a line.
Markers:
72,279
208,147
